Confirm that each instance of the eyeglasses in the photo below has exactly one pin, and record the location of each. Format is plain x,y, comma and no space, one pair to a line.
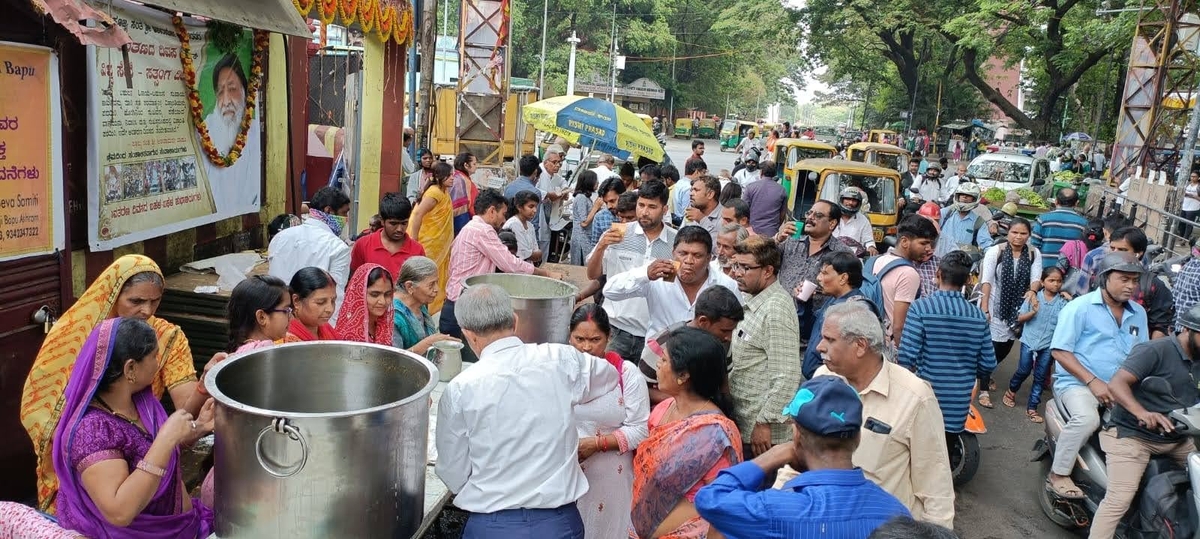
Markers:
289,311
742,267
554,161
811,213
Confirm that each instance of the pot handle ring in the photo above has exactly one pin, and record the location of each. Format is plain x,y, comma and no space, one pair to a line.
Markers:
281,426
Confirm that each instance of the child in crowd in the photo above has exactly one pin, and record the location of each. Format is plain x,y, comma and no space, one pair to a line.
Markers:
581,213
1039,319
524,207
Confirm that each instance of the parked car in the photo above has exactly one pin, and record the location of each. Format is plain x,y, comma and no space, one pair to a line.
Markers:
1009,170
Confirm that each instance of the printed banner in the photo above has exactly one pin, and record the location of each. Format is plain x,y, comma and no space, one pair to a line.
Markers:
150,175
31,216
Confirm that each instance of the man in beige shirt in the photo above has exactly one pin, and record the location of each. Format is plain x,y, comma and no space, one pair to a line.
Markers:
903,447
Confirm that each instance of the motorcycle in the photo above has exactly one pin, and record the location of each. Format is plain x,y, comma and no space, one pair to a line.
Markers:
1091,474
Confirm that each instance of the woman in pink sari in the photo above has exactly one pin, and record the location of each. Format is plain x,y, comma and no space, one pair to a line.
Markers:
116,452
692,437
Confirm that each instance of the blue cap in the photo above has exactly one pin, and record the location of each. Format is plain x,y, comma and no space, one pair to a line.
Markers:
826,406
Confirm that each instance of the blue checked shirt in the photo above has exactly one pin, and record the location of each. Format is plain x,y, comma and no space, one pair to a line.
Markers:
841,504
946,342
600,224
1187,289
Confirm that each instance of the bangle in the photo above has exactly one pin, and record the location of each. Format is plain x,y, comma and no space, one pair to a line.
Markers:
603,444
151,469
1089,382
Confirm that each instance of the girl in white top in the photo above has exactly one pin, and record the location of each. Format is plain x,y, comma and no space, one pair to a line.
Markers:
1191,204
610,428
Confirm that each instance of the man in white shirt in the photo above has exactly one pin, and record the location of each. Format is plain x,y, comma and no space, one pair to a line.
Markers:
236,188
604,168
620,251
671,287
930,185
506,438
750,173
554,188
854,224
521,225
317,242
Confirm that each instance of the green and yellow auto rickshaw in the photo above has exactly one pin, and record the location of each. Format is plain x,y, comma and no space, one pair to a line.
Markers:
882,155
790,151
733,131
683,128
824,179
708,129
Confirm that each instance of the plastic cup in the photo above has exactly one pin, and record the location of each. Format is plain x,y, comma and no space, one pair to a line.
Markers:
806,290
799,233
620,227
671,278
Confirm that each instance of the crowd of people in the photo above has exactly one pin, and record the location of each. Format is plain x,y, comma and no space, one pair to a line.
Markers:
736,372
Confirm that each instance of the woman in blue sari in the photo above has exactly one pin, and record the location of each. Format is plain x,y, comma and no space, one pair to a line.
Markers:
116,452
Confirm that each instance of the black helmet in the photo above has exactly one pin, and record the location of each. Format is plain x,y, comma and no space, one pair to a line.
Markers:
1119,261
853,194
1191,319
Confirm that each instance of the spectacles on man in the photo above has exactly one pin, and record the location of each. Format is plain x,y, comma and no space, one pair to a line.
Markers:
818,215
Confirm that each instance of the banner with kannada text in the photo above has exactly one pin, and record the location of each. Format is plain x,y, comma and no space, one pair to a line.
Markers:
31,177
149,173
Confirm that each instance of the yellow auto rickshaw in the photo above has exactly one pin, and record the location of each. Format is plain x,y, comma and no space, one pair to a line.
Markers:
648,120
733,131
683,128
790,151
824,179
883,155
708,128
880,135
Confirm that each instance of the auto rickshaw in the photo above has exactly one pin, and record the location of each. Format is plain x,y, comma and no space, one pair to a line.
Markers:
790,151
708,129
648,120
733,131
878,135
683,128
883,155
824,179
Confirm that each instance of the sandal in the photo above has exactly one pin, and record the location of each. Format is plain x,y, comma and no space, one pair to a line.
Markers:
1034,416
1070,492
985,400
1010,399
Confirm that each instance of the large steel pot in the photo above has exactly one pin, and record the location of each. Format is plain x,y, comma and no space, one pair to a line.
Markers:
319,440
543,305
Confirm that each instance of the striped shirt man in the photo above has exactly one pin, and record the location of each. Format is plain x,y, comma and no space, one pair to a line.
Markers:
1055,228
946,342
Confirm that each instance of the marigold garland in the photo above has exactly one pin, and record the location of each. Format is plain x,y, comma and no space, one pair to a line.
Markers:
404,29
261,39
328,11
368,13
303,8
348,11
383,17
387,22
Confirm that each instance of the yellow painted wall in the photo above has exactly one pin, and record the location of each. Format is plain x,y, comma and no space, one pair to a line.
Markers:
276,152
371,132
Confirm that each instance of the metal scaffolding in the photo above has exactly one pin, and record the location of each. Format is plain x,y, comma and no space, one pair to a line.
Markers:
483,82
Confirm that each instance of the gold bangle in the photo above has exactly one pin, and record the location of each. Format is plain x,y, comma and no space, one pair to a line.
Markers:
151,469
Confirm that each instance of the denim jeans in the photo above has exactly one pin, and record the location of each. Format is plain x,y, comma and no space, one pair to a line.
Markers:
561,523
1036,362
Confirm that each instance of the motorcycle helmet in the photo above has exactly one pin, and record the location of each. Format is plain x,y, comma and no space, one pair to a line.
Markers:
1191,319
930,210
1009,208
969,189
753,155
853,194
1119,261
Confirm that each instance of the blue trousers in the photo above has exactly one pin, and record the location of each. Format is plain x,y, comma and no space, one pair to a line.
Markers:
561,523
1036,362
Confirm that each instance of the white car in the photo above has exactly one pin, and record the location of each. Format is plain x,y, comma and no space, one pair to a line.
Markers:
1009,170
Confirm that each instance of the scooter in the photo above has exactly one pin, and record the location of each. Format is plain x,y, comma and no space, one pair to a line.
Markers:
1091,474
963,447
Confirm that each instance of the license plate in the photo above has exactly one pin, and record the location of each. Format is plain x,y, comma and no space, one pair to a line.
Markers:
878,235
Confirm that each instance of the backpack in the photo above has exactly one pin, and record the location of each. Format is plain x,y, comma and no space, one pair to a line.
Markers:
872,285
1164,504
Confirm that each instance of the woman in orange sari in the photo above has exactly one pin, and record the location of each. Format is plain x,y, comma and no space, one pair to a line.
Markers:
692,437
131,287
432,224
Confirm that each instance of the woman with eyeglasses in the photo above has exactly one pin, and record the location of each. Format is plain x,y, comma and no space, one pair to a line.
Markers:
366,315
414,329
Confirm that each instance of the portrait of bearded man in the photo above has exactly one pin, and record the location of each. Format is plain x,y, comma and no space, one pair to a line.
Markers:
235,189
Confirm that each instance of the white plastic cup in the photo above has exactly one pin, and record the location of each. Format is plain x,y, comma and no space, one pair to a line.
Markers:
807,288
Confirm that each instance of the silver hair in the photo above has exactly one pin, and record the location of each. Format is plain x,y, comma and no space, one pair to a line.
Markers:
416,269
606,158
152,277
731,228
856,321
554,148
485,309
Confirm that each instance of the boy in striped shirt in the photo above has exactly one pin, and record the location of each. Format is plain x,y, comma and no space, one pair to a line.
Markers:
946,341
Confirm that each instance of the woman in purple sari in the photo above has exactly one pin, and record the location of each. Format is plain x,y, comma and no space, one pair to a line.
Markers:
116,452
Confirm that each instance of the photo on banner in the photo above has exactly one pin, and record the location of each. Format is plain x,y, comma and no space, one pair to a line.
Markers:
150,173
31,174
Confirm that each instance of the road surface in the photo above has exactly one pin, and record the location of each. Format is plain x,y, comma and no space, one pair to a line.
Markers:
1000,502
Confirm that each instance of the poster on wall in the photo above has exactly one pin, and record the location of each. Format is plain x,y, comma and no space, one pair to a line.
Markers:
31,178
151,171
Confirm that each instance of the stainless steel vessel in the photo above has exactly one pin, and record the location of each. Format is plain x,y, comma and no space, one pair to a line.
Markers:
320,440
543,305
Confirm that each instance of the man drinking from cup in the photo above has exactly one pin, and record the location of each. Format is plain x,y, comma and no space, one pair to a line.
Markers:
804,248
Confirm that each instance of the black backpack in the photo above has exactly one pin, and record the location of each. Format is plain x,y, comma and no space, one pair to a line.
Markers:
1164,507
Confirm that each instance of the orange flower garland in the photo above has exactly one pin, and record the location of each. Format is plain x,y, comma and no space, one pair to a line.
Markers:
404,29
348,10
261,39
384,17
302,7
387,22
368,13
328,11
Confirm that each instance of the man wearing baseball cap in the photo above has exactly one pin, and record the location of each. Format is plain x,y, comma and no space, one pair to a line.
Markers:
831,498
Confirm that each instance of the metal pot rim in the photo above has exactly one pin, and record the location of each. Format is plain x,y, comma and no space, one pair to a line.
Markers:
476,280
221,398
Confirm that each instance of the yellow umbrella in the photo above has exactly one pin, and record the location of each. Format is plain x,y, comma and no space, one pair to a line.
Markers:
594,123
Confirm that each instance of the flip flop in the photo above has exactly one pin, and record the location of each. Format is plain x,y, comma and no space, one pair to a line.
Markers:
1063,491
1035,417
985,400
1010,399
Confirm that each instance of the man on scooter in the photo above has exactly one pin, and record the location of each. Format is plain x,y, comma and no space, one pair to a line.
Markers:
1095,333
1139,427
